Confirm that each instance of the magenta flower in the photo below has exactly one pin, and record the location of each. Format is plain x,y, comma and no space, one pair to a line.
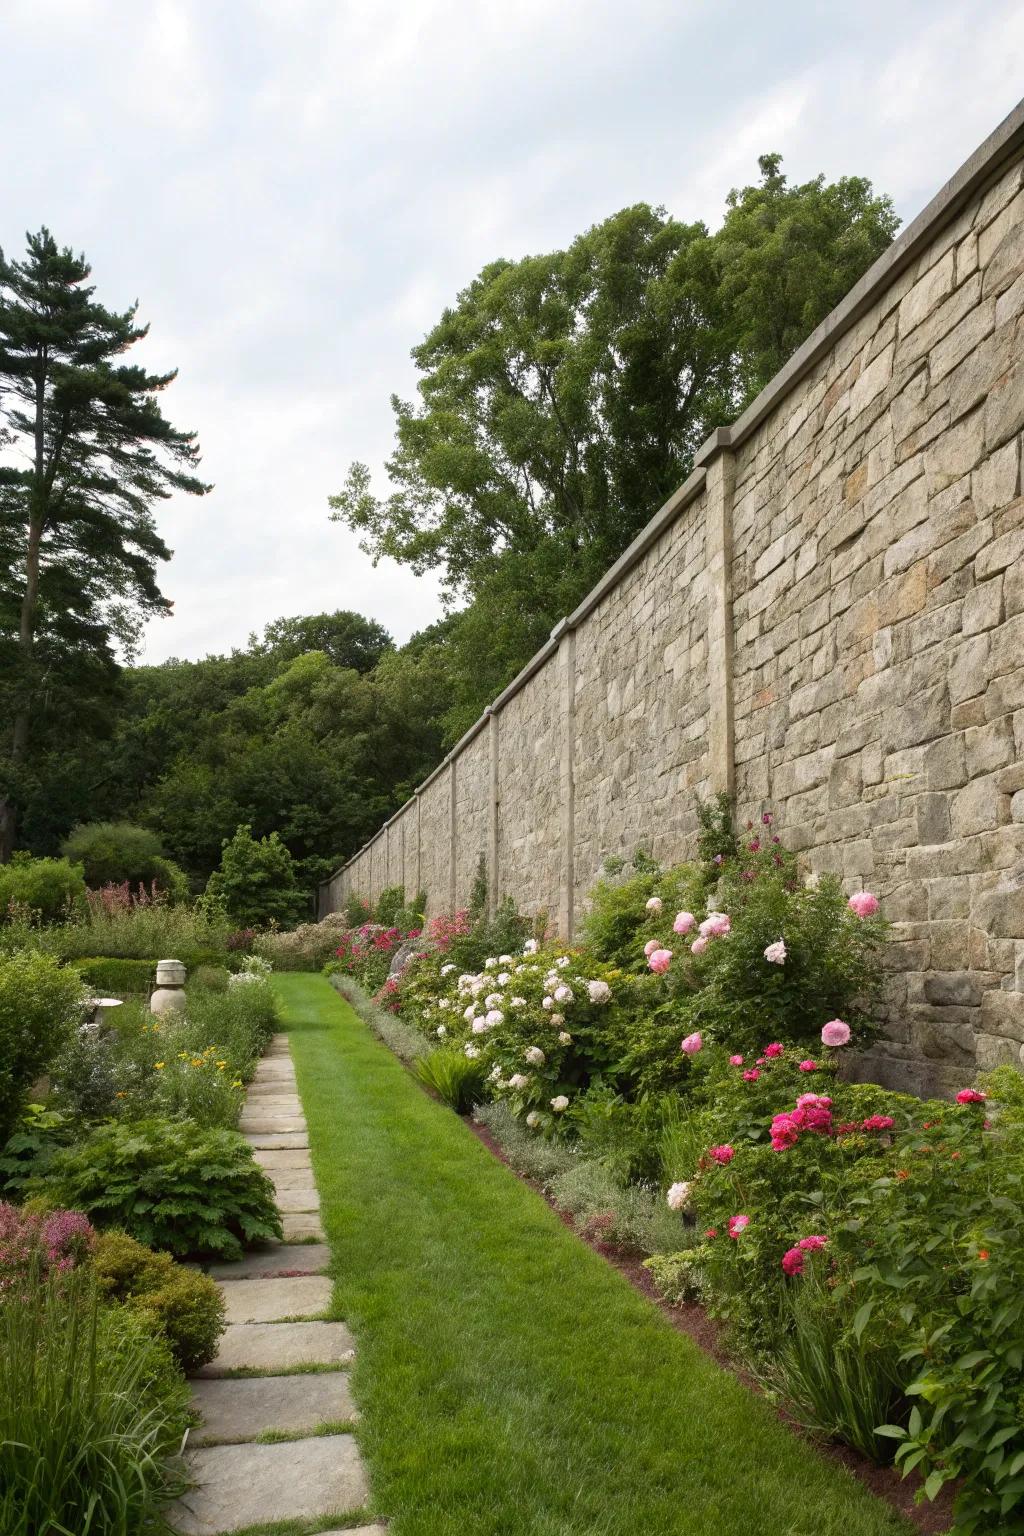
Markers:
735,1061
808,1066
863,904
809,1244
723,1154
835,1032
738,1224
684,922
692,1044
785,1132
793,1261
775,1049
659,960
751,1076
878,1123
970,1096
766,819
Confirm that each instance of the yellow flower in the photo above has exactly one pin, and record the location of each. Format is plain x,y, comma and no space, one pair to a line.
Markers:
120,1095
158,1065
221,1065
237,1083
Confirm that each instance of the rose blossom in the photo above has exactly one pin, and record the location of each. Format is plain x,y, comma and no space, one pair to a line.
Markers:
660,960
723,1154
751,1076
735,1061
863,904
808,1066
655,904
684,922
775,1049
698,946
878,1123
835,1032
970,1096
677,1196
651,946
598,991
692,1044
775,954
534,1055
559,1103
793,1261
808,1244
738,1224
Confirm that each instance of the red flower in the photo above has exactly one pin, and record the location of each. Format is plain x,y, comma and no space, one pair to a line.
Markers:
970,1096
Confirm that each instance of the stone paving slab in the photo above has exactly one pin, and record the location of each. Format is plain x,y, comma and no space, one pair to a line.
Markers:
243,1409
297,1201
268,1301
266,1125
297,1228
240,1485
273,1102
284,1160
291,1178
266,1141
273,1066
275,1259
358,1530
274,1347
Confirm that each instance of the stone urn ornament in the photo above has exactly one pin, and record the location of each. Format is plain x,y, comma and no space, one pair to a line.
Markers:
170,987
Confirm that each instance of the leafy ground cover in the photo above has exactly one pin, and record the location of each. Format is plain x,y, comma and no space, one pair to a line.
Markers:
509,1381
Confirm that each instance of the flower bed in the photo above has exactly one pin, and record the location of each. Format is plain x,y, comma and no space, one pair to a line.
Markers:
864,1248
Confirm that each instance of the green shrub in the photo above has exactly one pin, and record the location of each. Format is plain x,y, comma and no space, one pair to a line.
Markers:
184,1306
92,1410
457,1081
46,887
389,903
29,1150
255,884
357,911
109,977
632,1216
150,931
168,1184
114,852
40,1006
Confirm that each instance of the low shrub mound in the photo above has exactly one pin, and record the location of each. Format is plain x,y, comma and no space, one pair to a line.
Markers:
184,1306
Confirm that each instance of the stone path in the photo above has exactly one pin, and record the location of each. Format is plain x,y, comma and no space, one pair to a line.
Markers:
274,1442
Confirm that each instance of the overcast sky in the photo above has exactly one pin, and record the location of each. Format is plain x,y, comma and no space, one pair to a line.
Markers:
294,189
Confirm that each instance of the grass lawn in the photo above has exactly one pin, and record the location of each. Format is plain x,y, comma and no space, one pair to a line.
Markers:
510,1382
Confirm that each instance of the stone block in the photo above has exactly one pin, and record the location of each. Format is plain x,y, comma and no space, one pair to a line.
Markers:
1002,1013
978,808
949,898
982,607
243,1485
275,1259
927,293
945,762
872,381
993,1051
994,484
968,673
1002,552
959,450
989,747
956,988
276,1347
933,818
243,1409
271,1301
1004,408
1001,912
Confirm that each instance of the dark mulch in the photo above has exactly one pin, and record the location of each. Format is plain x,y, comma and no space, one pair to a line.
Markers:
931,1519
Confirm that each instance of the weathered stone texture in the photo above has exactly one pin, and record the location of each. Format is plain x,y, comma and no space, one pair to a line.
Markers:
876,675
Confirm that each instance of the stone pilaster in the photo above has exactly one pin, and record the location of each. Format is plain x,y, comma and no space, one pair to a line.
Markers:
567,811
493,814
721,479
453,838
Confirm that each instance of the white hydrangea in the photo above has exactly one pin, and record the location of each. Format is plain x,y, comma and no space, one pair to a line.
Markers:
479,1026
472,1051
503,978
547,1002
469,1014
563,994
493,999
562,962
531,947
446,970
440,1031
519,1080
444,1002
534,1055
678,1195
599,991
478,987
564,1038
491,963
559,1103
518,1002
494,1076
504,959
556,1019
494,1018
533,1119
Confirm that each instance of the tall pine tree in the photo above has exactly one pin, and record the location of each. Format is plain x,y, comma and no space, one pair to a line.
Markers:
86,452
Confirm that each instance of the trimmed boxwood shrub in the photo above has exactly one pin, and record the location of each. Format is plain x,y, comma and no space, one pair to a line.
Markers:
186,1307
117,978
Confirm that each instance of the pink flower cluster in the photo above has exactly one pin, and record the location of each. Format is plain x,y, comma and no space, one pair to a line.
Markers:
878,1123
813,1112
723,1154
446,928
56,1243
970,1096
737,1225
863,904
793,1258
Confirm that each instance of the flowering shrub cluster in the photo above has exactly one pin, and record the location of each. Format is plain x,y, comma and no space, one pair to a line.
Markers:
51,1243
366,953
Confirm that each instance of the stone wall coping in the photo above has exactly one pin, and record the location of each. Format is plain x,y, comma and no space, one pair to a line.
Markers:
1001,145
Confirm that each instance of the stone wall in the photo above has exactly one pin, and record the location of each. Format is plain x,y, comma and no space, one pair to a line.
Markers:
827,619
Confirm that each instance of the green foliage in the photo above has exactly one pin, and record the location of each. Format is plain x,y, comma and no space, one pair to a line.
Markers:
40,1005
677,1276
184,1306
39,1133
390,903
111,852
256,880
457,1081
632,1216
169,1184
109,977
46,888
536,1157
357,911
717,839
92,1411
305,948
91,454
617,923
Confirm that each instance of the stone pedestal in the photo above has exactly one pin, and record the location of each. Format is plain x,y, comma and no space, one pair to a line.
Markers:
170,987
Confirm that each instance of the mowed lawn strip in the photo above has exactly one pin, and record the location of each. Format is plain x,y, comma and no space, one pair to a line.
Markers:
510,1382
